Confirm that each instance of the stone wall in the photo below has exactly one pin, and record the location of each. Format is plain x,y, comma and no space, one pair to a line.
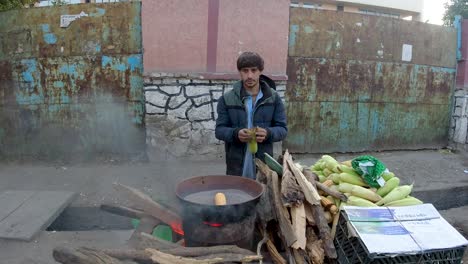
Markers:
181,115
459,127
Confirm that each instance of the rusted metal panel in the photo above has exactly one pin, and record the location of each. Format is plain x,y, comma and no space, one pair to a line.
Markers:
74,91
342,98
343,35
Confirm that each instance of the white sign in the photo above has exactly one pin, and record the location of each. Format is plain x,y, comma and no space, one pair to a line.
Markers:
65,20
409,229
407,52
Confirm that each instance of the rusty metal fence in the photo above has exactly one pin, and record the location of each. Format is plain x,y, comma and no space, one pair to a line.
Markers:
362,83
71,83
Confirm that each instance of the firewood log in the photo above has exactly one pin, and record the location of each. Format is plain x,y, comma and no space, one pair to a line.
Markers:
291,192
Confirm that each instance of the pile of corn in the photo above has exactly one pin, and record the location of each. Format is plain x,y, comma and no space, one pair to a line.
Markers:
343,178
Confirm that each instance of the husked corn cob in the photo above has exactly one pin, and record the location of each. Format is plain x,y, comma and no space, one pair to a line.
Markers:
356,180
357,201
398,193
387,175
391,184
359,191
349,170
410,200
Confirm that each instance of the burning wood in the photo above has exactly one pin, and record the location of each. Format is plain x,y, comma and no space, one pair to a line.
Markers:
307,211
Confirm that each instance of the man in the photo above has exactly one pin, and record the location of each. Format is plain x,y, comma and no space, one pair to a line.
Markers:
251,103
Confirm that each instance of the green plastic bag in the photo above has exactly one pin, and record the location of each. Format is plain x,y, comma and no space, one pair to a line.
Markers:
161,231
370,169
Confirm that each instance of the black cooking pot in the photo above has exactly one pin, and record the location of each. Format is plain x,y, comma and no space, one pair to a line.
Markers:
197,198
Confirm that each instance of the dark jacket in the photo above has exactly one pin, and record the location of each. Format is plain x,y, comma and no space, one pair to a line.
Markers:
269,113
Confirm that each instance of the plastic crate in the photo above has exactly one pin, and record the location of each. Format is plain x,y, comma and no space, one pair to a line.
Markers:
351,249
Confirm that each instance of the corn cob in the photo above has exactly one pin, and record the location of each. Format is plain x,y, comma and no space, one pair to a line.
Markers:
328,183
359,191
322,178
410,200
398,193
391,184
387,175
327,172
347,163
330,162
345,187
220,199
326,203
335,177
357,201
349,170
356,180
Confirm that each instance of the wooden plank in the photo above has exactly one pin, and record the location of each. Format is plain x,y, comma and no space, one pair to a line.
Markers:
12,200
38,212
298,216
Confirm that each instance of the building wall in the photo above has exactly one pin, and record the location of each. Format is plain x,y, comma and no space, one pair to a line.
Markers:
459,124
403,9
412,5
206,36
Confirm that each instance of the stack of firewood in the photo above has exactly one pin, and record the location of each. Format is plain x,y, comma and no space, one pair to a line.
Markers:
294,216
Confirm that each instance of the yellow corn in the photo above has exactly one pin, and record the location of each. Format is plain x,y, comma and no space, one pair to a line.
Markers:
330,162
410,200
345,187
387,175
349,170
359,191
391,184
325,202
356,180
322,178
327,172
365,193
347,163
220,199
357,201
328,183
335,177
398,193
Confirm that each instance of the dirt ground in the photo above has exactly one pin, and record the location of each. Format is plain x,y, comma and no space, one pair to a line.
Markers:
428,169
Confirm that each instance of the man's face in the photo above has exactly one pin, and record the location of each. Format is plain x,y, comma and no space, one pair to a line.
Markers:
250,76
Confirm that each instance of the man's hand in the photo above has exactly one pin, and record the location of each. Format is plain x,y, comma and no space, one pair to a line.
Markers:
244,135
261,134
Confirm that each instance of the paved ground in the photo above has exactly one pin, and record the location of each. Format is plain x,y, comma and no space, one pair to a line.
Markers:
433,172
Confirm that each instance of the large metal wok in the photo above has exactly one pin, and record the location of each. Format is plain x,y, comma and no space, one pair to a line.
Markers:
197,198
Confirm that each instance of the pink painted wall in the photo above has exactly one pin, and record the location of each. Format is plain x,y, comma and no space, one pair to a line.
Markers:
462,71
176,35
260,25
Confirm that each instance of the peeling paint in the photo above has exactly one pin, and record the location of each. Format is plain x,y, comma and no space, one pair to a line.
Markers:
294,29
50,38
135,62
31,68
99,12
45,28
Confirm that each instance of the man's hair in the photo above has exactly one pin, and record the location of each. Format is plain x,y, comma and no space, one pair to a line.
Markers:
249,59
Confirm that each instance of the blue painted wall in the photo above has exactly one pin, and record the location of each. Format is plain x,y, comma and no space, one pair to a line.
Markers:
72,92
